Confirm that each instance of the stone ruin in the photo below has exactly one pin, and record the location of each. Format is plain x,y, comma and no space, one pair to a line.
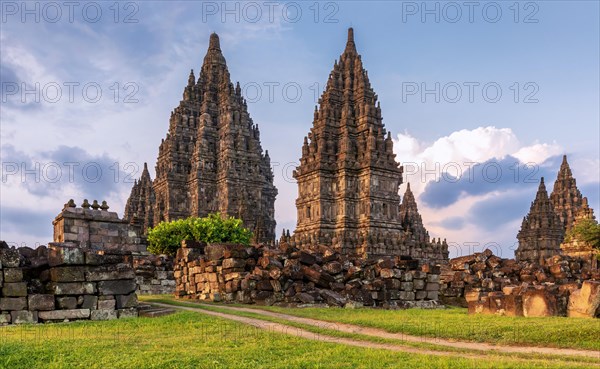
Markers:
93,270
487,284
99,229
289,276
65,281
543,230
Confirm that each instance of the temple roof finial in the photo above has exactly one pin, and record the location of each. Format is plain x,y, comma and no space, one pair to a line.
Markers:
214,42
350,46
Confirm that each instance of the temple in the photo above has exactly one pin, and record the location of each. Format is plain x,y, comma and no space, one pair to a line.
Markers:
348,177
211,159
541,230
545,231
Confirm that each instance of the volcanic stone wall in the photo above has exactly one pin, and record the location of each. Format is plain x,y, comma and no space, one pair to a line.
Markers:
285,275
488,284
65,282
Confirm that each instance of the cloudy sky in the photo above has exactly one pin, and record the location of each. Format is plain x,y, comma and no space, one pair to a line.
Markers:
482,99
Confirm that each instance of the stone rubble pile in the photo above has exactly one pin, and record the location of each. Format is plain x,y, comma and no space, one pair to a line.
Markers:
288,276
64,282
154,274
488,284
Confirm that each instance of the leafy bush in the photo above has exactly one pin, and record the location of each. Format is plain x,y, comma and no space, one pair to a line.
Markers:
166,237
586,230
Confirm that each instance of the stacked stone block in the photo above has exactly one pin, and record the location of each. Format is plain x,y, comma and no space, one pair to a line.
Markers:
96,228
488,284
286,275
65,282
154,274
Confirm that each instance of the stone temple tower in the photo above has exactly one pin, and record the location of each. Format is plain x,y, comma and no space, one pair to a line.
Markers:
565,197
541,231
348,177
211,159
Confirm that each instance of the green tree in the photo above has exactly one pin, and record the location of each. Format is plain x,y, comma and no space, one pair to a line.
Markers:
166,237
585,230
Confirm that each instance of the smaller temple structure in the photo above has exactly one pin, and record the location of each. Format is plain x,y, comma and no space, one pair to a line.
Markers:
541,231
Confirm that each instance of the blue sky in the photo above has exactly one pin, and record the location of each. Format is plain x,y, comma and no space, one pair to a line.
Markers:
542,56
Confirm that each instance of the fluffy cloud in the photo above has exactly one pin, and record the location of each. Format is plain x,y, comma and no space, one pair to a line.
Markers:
474,186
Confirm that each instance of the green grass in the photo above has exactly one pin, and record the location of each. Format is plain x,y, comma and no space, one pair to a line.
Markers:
331,331
455,323
189,339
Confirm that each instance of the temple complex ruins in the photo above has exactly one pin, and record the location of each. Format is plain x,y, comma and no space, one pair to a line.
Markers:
543,230
211,159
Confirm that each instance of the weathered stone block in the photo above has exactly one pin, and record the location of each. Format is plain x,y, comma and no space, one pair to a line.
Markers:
89,302
110,272
126,301
585,302
5,318
14,289
386,273
127,313
23,317
13,303
63,255
66,303
434,286
67,274
64,314
220,251
539,303
407,286
106,304
419,284
120,287
73,288
13,275
233,263
407,295
103,314
10,258
433,295
41,302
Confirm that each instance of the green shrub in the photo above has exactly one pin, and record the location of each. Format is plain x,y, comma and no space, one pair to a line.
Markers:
166,237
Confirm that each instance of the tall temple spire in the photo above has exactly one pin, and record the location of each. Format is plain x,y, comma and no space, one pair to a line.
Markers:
214,43
348,177
350,46
541,230
211,159
565,196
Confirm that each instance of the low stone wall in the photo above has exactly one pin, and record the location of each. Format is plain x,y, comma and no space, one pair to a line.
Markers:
154,274
65,282
488,284
285,275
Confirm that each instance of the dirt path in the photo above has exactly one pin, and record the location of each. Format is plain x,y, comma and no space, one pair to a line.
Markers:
374,332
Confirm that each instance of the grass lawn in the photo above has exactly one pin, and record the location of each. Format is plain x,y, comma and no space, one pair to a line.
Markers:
455,323
188,339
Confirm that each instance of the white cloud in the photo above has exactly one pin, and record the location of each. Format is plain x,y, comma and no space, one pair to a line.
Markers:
455,154
459,151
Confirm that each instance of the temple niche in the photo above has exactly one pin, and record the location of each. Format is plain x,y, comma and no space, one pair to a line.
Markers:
348,177
211,159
